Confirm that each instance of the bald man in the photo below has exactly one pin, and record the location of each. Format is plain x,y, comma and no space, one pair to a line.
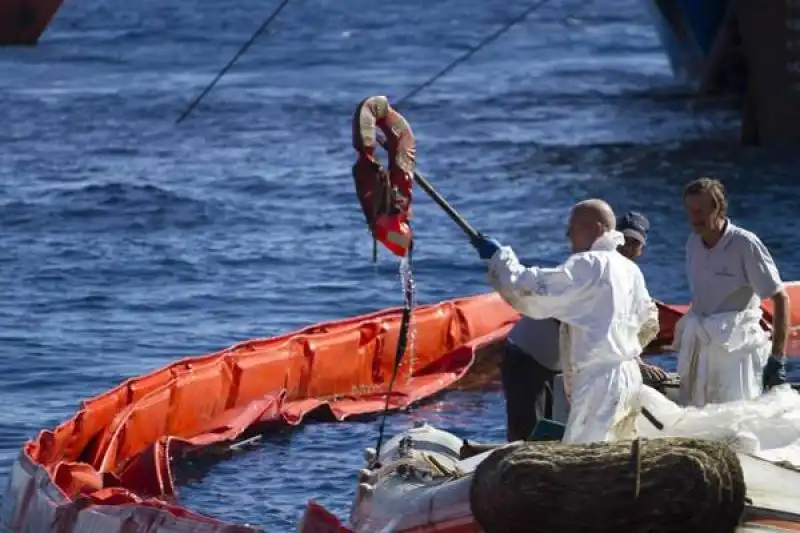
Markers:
601,299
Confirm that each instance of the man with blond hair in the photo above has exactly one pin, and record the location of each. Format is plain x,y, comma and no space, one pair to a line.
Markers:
601,300
723,352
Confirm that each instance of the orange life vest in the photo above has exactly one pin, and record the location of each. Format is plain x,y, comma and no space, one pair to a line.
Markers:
384,194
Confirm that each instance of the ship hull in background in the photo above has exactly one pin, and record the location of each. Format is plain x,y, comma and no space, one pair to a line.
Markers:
22,22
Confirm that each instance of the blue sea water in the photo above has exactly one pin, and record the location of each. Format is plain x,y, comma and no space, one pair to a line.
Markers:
130,241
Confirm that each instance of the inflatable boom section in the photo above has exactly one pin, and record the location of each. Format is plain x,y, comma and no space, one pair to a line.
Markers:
107,469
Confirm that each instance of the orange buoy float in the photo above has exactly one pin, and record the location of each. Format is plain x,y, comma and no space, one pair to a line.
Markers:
384,193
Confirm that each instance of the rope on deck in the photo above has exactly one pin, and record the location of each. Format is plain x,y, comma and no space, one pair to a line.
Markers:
673,485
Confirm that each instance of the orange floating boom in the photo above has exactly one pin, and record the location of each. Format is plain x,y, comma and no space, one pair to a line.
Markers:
107,468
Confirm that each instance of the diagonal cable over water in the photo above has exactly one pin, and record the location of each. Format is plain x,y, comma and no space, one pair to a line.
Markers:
227,67
427,83
486,41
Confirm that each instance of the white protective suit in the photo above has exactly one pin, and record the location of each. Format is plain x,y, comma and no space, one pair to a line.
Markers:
720,357
602,297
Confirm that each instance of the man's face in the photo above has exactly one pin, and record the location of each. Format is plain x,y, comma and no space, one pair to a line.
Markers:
582,231
702,213
631,249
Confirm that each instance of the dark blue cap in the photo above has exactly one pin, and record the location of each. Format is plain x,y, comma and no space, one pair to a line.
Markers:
634,225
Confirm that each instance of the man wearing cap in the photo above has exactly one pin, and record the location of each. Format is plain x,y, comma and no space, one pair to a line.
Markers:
634,226
532,351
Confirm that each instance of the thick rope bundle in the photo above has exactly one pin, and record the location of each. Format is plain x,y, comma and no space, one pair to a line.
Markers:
654,486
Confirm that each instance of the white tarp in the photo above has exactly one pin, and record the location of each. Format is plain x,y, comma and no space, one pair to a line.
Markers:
767,427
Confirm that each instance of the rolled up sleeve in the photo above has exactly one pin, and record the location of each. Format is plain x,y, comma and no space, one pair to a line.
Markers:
542,292
650,327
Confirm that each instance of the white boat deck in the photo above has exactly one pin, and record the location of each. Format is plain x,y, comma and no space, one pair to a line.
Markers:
770,486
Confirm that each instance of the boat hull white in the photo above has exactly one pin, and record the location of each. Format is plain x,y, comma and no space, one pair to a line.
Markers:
424,501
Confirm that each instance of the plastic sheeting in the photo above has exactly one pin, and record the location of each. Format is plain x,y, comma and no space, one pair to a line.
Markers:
767,427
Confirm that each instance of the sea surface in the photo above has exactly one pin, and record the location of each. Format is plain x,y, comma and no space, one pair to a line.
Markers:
130,241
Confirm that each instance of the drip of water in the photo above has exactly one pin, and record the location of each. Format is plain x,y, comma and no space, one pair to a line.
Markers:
410,294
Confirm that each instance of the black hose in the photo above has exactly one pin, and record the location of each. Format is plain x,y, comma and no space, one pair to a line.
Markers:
402,343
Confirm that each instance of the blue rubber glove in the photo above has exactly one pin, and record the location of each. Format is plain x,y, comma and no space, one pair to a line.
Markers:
486,246
774,372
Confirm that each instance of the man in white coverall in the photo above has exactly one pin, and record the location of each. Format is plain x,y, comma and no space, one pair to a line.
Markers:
601,297
532,349
723,353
